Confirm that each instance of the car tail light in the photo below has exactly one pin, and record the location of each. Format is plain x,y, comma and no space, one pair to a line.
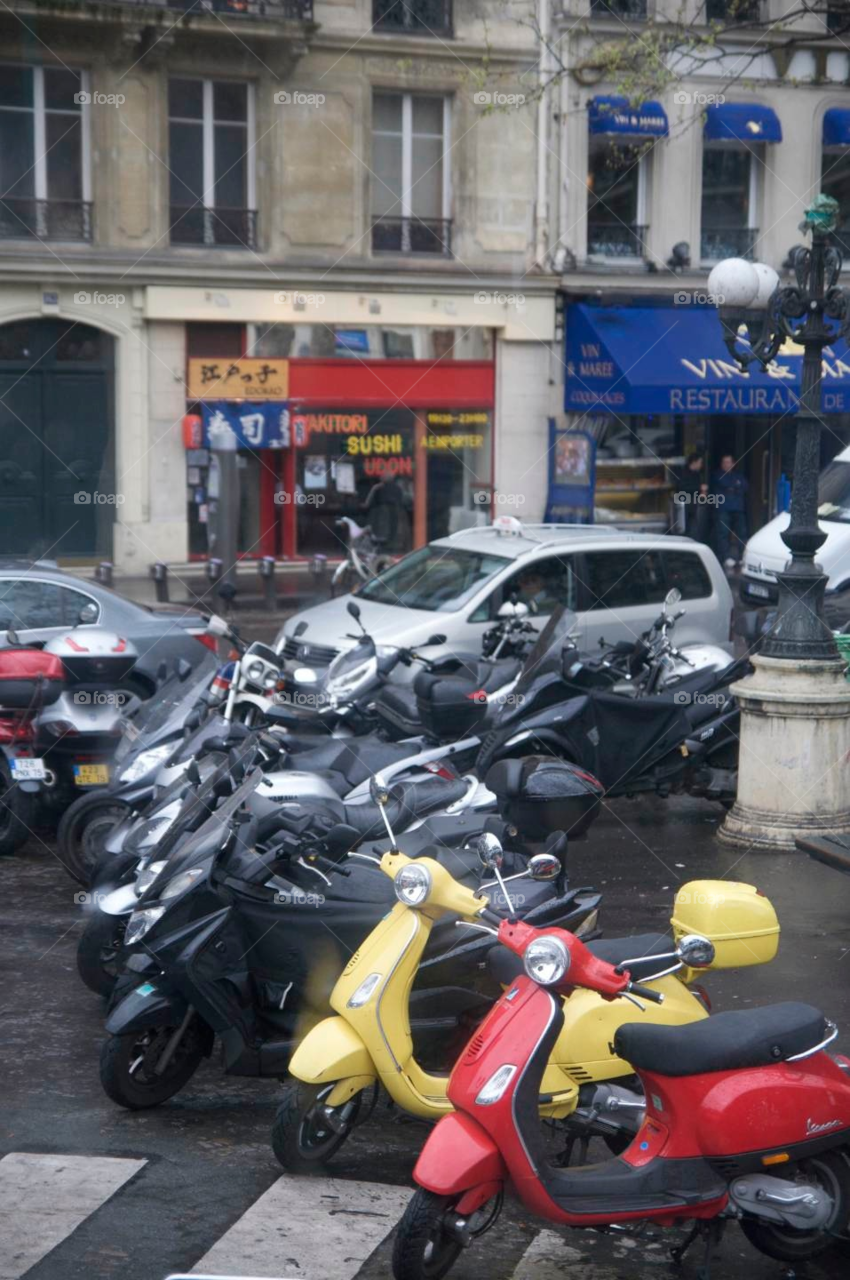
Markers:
208,641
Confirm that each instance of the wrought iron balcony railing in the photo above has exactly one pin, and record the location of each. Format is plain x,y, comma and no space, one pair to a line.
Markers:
412,235
618,8
717,243
289,10
413,17
31,219
616,240
221,228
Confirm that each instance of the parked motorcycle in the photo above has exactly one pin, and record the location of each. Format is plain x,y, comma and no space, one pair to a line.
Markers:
62,711
248,946
747,1118
682,739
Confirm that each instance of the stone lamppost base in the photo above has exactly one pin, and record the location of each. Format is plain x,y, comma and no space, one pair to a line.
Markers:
794,765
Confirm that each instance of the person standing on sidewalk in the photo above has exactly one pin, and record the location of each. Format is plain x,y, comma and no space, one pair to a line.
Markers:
730,492
694,491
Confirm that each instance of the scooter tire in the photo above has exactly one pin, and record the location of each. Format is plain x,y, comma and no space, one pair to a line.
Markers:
417,1255
97,951
831,1170
128,1079
82,829
299,1142
16,811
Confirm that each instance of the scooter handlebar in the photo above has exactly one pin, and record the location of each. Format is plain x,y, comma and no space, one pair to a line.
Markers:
585,969
646,993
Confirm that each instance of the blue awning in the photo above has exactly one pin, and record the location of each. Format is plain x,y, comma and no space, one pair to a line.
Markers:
611,114
836,127
649,360
742,122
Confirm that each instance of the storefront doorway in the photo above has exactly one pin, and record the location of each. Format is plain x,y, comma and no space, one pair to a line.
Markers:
57,447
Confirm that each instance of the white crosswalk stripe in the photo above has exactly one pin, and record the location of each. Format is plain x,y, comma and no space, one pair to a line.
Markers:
308,1229
43,1198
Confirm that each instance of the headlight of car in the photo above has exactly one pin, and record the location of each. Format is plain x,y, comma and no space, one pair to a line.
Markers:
181,883
546,960
145,878
145,761
141,922
412,885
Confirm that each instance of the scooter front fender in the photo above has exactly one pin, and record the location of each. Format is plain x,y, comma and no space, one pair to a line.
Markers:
331,1051
146,1007
458,1157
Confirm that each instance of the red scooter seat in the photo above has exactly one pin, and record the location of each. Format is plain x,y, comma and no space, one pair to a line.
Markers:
724,1042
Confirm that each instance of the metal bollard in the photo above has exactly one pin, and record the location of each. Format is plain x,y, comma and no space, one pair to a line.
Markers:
266,568
214,568
159,573
103,573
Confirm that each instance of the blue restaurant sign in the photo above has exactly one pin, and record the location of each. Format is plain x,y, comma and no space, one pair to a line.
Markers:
647,360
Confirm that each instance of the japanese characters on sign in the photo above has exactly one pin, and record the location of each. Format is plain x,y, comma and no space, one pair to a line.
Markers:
251,378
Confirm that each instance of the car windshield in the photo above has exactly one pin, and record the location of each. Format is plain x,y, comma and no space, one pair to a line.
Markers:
438,578
834,493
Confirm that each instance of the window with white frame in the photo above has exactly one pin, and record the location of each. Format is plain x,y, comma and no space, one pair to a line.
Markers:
411,196
44,166
211,162
617,198
730,198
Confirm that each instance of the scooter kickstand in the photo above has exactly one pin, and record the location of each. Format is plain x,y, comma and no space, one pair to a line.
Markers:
712,1233
678,1251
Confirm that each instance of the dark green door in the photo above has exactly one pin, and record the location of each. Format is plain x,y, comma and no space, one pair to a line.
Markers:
57,475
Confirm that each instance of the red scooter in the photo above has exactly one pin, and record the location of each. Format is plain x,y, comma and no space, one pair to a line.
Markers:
747,1118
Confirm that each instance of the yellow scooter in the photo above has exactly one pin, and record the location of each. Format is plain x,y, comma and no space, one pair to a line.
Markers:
343,1059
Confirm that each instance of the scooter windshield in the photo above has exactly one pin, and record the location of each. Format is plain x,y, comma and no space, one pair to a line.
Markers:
545,657
172,702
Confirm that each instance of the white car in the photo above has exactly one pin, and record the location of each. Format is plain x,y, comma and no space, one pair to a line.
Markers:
766,554
615,582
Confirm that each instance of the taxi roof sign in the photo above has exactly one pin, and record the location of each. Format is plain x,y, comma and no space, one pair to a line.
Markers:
508,525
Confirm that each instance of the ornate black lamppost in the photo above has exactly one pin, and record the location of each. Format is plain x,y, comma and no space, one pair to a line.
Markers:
813,311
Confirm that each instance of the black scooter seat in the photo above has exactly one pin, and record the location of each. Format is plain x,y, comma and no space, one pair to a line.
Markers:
506,965
725,1042
355,759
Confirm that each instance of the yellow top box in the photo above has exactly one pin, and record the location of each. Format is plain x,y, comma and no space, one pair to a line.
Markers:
741,922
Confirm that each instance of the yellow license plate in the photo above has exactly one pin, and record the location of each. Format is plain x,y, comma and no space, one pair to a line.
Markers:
91,775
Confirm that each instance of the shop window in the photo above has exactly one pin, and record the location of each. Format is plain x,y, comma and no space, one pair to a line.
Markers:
835,182
544,586
685,570
617,199
618,8
621,579
410,174
456,449
45,178
211,163
729,11
356,464
413,17
730,176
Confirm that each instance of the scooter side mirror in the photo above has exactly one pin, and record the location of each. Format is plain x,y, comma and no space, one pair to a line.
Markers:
489,850
672,598
354,610
216,743
379,790
544,866
300,629
162,672
438,638
88,614
193,773
216,626
12,637
184,669
509,608
695,951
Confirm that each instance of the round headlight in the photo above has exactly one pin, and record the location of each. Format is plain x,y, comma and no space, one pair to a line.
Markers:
254,671
546,960
270,680
412,885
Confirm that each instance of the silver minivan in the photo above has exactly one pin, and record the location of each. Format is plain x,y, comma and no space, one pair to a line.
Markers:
614,581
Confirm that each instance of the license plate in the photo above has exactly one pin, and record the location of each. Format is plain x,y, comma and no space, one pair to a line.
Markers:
28,770
91,775
756,589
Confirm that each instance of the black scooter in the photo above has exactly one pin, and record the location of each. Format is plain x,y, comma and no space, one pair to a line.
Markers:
247,946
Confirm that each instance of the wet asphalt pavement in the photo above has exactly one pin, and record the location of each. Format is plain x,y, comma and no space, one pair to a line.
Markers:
207,1153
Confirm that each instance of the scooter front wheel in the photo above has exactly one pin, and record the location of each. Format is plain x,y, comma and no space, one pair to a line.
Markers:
16,814
305,1132
128,1065
83,828
97,951
425,1248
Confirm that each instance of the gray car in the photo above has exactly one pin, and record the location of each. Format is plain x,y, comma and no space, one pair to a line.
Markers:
39,602
613,580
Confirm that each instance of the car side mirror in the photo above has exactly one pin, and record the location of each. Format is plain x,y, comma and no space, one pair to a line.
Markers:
300,629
